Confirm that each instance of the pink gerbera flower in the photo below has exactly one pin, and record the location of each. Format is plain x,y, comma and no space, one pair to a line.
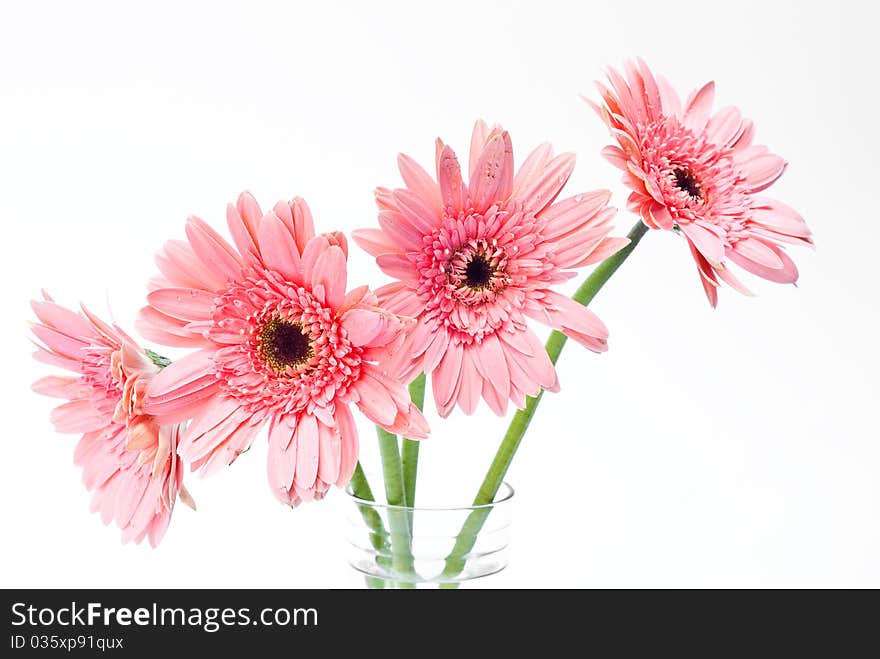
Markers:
699,173
280,341
475,260
129,461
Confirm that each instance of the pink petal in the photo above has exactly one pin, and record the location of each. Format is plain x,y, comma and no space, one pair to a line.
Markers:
548,184
758,252
310,255
725,126
707,275
281,462
445,379
607,247
62,344
307,452
707,242
243,220
370,327
330,272
659,217
188,304
437,347
329,452
48,357
490,363
669,97
112,334
397,266
349,447
409,353
699,107
728,277
571,214
216,254
496,403
218,410
629,105
303,224
762,171
787,274
416,424
374,241
182,371
284,213
744,141
479,137
194,388
130,497
78,416
400,299
338,239
574,320
62,319
182,389
178,261
779,217
219,446
279,249
375,401
58,386
574,249
400,231
420,184
362,325
471,384
385,199
156,326
353,297
616,156
531,170
422,217
452,189
539,367
653,98
493,174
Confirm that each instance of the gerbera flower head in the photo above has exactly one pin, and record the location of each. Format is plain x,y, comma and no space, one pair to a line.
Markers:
474,260
280,341
129,460
698,172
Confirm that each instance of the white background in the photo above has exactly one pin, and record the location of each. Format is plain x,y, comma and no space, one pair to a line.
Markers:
735,447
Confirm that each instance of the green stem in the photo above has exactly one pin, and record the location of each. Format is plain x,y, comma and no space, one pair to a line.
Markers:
391,468
410,449
360,487
401,555
519,424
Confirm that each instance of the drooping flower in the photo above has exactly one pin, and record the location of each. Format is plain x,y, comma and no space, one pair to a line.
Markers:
700,173
474,261
279,341
129,460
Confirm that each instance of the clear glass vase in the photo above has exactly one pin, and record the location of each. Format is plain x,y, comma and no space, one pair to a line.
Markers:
428,547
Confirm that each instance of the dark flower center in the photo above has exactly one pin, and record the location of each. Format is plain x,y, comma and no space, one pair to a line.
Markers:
686,182
478,273
284,344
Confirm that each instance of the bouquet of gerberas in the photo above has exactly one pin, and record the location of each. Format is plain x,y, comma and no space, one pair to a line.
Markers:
277,338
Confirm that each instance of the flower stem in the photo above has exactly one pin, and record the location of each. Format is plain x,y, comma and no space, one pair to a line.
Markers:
410,449
401,554
360,487
519,424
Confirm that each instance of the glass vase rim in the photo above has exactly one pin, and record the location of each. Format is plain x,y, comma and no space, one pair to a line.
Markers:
504,495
